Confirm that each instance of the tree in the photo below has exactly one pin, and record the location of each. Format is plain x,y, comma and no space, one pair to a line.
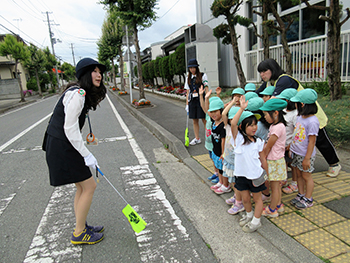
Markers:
157,68
151,72
227,31
138,14
180,61
10,46
68,71
145,73
35,63
333,44
50,62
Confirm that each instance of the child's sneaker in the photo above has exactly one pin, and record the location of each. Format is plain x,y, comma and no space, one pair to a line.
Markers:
333,171
231,201
249,227
280,208
296,199
267,212
223,189
235,209
290,189
265,198
217,186
97,229
86,237
214,176
244,220
304,203
216,180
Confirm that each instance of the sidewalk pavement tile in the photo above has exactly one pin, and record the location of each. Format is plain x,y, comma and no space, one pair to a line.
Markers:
340,187
341,258
322,243
322,216
293,224
341,230
321,194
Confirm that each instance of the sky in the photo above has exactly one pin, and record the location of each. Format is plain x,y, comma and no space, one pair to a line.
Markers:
78,24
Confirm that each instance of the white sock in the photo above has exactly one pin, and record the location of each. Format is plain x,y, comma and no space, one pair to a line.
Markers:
219,184
255,221
250,214
225,188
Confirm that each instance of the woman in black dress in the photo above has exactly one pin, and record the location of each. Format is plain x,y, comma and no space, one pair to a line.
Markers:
67,157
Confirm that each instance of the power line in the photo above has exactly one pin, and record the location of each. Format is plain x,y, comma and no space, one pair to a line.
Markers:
167,12
26,10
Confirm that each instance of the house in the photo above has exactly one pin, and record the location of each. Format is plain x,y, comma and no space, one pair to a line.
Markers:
9,87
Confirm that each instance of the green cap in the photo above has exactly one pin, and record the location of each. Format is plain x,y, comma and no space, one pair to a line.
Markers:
239,91
215,104
255,104
250,87
307,96
213,98
245,114
287,94
268,91
250,95
274,104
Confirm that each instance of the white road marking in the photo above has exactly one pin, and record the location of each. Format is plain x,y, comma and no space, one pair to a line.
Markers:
4,203
2,147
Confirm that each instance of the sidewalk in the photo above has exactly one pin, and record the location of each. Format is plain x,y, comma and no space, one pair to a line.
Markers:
323,229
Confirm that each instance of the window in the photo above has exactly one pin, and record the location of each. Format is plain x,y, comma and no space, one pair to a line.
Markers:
285,4
293,31
253,40
312,26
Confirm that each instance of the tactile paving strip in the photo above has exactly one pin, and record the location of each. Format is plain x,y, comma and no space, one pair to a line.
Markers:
322,216
341,230
322,243
340,187
293,224
341,259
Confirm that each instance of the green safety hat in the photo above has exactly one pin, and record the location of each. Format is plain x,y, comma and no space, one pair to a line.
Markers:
245,114
250,95
287,94
268,91
307,96
250,87
274,104
239,91
255,104
215,104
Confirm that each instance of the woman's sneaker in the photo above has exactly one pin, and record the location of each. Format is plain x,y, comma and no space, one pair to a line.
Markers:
86,237
333,171
290,189
97,229
249,227
267,212
195,141
235,209
231,201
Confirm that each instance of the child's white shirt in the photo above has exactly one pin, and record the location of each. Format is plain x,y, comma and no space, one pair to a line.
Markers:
247,162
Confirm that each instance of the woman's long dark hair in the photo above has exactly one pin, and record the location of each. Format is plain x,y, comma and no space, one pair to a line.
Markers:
94,95
242,128
272,65
198,76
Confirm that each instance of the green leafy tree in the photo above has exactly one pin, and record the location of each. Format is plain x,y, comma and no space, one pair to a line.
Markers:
165,69
35,63
227,29
180,61
151,72
68,71
138,15
11,47
145,73
157,68
49,65
333,44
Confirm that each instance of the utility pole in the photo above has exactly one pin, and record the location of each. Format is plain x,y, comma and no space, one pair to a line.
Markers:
71,45
129,60
53,41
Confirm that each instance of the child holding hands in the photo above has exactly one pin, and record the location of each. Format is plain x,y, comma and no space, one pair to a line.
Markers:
250,163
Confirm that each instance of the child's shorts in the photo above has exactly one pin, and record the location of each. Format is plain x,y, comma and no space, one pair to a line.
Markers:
243,184
228,171
211,154
217,161
277,169
298,162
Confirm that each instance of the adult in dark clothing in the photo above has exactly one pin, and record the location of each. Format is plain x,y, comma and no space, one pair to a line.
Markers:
195,79
273,75
67,157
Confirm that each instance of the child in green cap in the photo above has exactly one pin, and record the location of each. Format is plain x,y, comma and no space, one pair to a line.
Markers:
274,150
303,145
267,93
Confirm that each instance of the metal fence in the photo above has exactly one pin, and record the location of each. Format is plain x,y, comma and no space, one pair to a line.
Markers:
309,59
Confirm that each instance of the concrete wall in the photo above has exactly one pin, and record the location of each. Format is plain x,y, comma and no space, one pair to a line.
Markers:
9,89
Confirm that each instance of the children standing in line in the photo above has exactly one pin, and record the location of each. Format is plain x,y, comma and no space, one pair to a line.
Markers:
303,145
290,117
229,161
218,134
250,163
274,150
267,93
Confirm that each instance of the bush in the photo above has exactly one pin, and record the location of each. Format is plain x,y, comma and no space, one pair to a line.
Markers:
31,84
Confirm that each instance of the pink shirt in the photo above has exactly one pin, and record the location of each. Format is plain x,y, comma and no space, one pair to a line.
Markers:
278,149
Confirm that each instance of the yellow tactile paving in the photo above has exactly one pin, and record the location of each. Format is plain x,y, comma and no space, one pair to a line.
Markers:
322,194
202,157
293,224
341,259
321,178
322,216
322,243
341,230
340,187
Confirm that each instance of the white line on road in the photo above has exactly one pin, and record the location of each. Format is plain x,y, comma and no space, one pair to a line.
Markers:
2,147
